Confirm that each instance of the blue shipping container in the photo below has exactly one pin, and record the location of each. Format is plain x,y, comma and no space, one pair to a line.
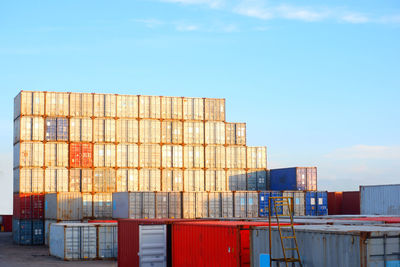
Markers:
311,205
252,181
296,178
28,232
322,203
62,129
262,180
263,202
51,129
37,232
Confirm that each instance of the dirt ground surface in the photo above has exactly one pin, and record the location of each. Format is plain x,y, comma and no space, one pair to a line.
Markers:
12,255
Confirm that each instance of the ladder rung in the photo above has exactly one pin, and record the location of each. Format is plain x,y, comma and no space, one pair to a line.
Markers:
285,237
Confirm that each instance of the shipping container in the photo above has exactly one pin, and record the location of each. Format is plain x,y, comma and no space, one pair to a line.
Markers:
29,180
172,132
56,180
80,155
47,224
62,129
207,206
149,205
332,245
57,104
193,180
237,180
351,202
102,205
172,156
104,105
56,154
87,205
80,130
104,155
171,108
127,106
127,131
188,205
150,156
252,204
172,180
107,240
227,204
149,107
245,204
297,203
150,180
104,130
214,133
81,180
214,205
215,157
29,103
63,206
193,108
193,132
127,180
256,157
174,205
322,203
81,105
28,232
235,133
214,109
127,205
51,129
335,203
193,156
28,129
297,178
257,180
311,203
162,205
28,154
236,157
7,222
104,180
127,155
380,199
215,180
263,203
28,206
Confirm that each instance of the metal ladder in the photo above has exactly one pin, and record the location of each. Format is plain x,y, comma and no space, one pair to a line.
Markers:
279,203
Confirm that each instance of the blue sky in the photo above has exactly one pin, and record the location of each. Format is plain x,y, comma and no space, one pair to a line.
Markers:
317,82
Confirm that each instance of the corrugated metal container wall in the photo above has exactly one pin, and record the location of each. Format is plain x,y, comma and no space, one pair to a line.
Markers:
204,204
193,132
311,203
28,154
104,180
56,154
322,203
104,130
149,180
127,106
193,180
174,205
107,241
22,232
193,108
252,204
29,180
227,204
252,180
188,205
81,155
312,178
29,103
102,205
161,205
193,156
236,157
214,201
380,200
81,104
240,200
210,181
149,107
51,129
351,202
215,157
22,204
298,205
63,206
172,180
56,180
171,107
28,129
216,180
263,203
256,157
235,133
127,155
104,105
289,179
150,131
127,180
149,205
127,131
80,130
127,205
62,129
172,156
237,179
172,132
104,155
82,176
150,156
335,203
214,133
214,109
57,104
87,205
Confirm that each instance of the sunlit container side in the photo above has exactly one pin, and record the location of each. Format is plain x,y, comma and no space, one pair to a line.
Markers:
215,180
56,180
161,204
127,131
104,130
312,178
80,155
256,157
296,178
149,205
380,199
107,241
172,156
127,205
215,205
193,156
215,157
81,104
214,109
28,206
252,204
127,180
82,176
127,155
80,130
240,204
102,205
56,154
104,180
193,180
28,129
188,205
127,106
57,104
236,180
172,180
29,180
28,154
104,155
172,132
171,108
104,105
210,180
150,180
298,204
201,205
149,107
214,133
150,156
73,241
193,108
193,132
29,103
235,133
150,131
236,157
51,129
63,206
87,205
174,205
227,204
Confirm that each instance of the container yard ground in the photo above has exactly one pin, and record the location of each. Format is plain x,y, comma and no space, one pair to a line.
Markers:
12,255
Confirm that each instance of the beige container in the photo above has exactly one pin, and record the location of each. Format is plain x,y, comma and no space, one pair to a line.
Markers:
81,104
104,105
104,130
235,133
193,108
172,180
214,109
87,203
28,154
193,156
214,199
171,107
175,205
256,157
127,131
236,157
172,132
201,204
149,180
237,180
172,156
80,130
227,204
127,180
161,205
127,155
194,180
189,205
150,107
104,180
56,180
82,176
127,106
29,103
104,155
102,205
215,180
56,154
149,205
29,180
66,206
214,133
193,132
210,181
57,104
150,156
150,131
215,157
28,128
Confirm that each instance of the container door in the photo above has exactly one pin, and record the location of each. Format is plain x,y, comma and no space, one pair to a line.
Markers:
153,245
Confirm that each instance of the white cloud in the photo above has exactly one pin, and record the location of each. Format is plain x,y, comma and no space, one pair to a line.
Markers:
355,18
255,12
395,19
210,3
300,13
186,27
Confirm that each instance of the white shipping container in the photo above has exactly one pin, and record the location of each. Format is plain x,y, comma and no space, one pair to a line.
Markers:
150,131
215,157
172,156
150,156
256,157
29,180
29,103
57,104
56,180
56,154
150,107
127,180
87,204
28,129
237,180
236,157
127,131
172,132
104,130
194,180
80,130
127,106
63,206
102,205
193,108
227,204
214,133
189,205
82,176
81,105
193,156
235,133
127,155
104,155
28,154
214,109
216,180
104,105
172,180
104,180
171,107
193,132
380,199
149,180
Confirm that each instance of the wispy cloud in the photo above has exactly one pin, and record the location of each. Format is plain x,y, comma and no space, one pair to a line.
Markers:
183,27
210,3
355,18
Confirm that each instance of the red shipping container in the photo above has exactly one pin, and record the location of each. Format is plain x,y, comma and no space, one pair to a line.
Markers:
75,155
87,155
102,221
28,206
351,202
210,243
81,155
7,223
335,203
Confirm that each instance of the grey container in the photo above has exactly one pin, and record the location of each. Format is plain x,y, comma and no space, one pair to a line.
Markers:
332,245
227,204
240,200
252,204
127,205
214,202
188,205
63,206
203,205
149,205
298,203
380,200
174,205
161,205
102,205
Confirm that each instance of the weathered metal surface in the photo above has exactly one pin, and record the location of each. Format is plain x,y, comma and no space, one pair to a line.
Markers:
63,206
380,200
